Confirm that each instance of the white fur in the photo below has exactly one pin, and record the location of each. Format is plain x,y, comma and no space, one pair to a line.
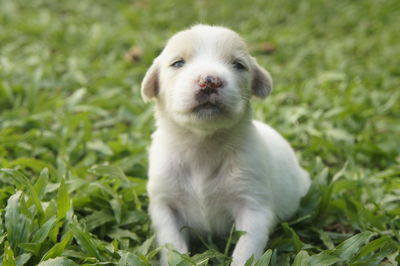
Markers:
208,172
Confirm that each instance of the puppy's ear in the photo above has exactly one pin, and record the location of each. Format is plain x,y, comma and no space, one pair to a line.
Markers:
150,83
261,84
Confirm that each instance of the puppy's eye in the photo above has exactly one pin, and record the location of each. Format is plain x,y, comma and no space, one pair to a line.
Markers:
239,65
178,63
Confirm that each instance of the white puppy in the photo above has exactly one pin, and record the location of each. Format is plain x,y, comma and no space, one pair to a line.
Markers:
211,166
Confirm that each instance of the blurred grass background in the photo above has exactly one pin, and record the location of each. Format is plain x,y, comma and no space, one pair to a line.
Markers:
74,134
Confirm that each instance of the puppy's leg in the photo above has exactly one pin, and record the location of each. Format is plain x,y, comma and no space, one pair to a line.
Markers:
168,229
256,223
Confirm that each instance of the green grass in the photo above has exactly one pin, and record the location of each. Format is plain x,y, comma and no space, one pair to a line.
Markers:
74,135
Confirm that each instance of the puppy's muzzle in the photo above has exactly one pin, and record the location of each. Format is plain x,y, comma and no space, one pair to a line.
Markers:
208,89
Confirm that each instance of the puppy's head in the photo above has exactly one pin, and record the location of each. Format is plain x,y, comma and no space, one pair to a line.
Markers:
204,78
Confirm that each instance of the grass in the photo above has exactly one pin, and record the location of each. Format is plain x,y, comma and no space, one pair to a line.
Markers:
74,136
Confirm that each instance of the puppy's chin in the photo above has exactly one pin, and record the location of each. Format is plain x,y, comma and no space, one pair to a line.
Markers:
209,111
209,118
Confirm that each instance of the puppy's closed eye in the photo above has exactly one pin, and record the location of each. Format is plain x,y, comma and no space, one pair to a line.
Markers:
178,63
239,65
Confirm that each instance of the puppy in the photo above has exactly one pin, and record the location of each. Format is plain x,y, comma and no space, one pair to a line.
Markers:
211,166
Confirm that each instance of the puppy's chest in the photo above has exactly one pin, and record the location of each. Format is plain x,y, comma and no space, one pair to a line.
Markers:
206,199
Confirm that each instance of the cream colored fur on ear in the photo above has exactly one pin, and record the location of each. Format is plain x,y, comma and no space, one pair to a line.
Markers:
262,82
150,84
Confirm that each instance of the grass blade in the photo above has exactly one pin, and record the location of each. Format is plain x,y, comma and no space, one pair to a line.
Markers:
351,246
323,258
59,261
8,259
23,259
58,248
374,245
302,259
265,258
41,234
130,259
63,201
41,183
85,241
18,226
24,181
295,238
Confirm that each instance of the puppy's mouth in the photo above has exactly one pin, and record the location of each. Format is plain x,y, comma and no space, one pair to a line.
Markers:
208,110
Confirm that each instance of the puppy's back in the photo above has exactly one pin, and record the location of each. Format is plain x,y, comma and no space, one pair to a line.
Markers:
284,159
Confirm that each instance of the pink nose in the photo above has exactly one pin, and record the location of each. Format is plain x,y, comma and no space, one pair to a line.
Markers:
211,82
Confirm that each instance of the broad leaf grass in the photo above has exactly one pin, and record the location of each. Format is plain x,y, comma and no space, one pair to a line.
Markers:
74,136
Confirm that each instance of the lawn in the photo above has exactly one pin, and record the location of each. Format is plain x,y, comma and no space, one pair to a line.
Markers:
74,131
